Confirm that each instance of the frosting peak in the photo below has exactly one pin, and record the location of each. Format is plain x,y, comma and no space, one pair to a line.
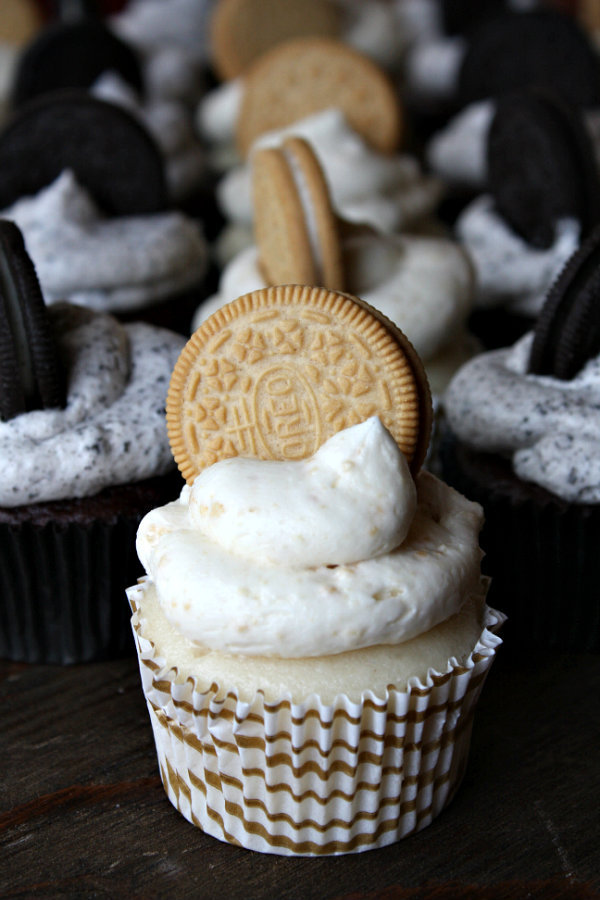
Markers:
353,499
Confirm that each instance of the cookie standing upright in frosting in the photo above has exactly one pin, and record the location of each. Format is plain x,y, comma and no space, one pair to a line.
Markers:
542,200
85,183
264,596
526,426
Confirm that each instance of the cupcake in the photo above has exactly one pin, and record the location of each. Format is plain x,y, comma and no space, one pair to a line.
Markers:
310,685
83,455
523,442
388,191
423,284
85,183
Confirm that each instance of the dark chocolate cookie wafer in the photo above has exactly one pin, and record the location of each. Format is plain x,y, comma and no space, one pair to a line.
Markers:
75,10
72,54
567,332
112,155
542,48
541,165
462,16
30,372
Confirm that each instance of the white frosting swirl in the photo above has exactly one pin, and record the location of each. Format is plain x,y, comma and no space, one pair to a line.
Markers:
112,430
388,192
508,271
328,566
549,428
107,264
423,284
432,69
458,152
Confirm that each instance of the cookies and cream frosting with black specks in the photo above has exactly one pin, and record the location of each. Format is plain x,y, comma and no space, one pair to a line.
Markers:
112,430
508,271
388,192
458,151
549,427
263,558
113,264
423,284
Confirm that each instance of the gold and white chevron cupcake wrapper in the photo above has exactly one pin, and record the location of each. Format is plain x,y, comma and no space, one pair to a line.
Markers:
309,778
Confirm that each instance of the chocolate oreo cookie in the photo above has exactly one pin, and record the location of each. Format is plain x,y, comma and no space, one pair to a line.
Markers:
462,16
541,166
543,48
567,332
30,371
110,152
72,54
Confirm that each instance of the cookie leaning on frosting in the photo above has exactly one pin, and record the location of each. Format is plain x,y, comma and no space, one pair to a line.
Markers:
269,610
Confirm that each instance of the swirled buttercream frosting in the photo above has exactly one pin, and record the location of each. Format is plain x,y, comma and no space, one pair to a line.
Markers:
109,264
112,429
313,557
548,427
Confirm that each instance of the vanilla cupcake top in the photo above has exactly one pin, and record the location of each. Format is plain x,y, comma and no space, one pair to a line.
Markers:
118,263
112,429
263,557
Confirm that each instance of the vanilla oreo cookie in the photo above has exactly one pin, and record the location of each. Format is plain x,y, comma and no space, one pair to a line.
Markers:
307,75
543,48
541,166
30,372
567,332
72,54
242,30
110,152
295,226
277,372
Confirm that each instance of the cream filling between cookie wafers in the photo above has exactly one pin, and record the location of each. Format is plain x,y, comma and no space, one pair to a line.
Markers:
308,210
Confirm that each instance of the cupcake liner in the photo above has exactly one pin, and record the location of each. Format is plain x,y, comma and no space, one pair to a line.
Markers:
312,778
541,553
62,587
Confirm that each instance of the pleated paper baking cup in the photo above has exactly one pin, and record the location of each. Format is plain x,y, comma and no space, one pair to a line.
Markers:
308,779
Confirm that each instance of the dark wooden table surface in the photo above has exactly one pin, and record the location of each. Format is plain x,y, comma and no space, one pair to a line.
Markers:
83,812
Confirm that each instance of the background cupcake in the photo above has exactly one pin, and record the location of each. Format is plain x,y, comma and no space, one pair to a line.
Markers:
524,421
83,455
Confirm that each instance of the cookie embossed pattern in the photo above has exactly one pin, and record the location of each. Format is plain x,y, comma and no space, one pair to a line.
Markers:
234,391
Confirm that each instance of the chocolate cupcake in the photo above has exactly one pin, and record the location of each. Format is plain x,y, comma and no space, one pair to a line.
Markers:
83,455
525,431
85,183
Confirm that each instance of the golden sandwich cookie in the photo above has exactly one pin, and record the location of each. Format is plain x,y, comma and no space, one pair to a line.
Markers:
307,75
278,371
